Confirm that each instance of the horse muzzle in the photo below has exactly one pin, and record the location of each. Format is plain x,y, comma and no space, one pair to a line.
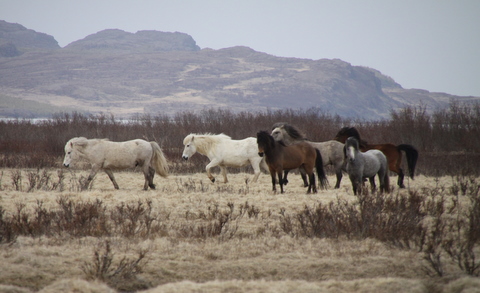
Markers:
260,154
185,158
66,165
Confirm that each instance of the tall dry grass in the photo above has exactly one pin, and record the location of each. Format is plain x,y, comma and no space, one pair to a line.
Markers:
191,234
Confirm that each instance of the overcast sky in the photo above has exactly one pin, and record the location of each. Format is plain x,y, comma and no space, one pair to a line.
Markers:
426,44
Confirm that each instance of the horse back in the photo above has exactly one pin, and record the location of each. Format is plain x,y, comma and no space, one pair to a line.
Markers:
298,154
127,154
375,160
331,151
388,149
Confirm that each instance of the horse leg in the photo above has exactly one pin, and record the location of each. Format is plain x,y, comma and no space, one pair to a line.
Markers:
285,173
400,178
395,167
210,165
372,183
304,177
256,170
273,174
280,180
313,184
338,172
149,178
224,173
384,180
360,186
354,184
112,178
90,177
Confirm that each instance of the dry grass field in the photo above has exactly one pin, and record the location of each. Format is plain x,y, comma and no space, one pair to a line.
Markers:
190,235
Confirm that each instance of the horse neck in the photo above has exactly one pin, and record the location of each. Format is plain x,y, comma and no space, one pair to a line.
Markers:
83,150
272,153
204,145
290,140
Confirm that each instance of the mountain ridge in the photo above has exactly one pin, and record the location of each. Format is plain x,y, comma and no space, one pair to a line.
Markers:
151,72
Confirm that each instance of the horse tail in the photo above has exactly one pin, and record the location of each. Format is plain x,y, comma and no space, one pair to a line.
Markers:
159,162
322,178
412,157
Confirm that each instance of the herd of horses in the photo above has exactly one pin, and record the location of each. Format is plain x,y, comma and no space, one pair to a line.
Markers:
285,148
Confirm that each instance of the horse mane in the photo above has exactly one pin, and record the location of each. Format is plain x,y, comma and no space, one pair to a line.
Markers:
352,132
265,137
291,130
352,140
205,141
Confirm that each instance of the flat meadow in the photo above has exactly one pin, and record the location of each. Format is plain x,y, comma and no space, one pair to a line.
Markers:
193,235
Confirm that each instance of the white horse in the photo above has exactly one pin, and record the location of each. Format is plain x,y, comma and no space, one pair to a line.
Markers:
365,165
331,151
224,152
109,155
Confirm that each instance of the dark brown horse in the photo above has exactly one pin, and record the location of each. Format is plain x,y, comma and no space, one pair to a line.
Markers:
392,152
280,157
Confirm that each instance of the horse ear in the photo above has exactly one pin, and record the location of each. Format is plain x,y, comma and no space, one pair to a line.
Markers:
193,137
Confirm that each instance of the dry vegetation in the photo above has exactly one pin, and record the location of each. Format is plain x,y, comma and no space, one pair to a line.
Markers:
193,235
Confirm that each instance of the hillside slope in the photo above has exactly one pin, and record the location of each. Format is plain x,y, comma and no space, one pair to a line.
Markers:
152,72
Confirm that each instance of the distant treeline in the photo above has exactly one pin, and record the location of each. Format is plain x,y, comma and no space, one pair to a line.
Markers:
448,140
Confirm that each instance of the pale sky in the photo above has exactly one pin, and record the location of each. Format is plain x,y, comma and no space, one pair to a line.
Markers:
426,44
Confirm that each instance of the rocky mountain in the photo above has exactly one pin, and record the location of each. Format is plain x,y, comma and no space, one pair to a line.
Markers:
154,72
16,39
114,40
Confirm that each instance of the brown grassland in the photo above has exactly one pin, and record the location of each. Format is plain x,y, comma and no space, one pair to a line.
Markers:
191,235
207,237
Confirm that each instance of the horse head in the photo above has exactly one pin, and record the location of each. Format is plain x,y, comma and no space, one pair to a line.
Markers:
351,148
73,150
190,149
265,142
282,129
277,133
347,132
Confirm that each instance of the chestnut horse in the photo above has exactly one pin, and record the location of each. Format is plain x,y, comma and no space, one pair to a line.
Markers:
331,151
392,152
280,157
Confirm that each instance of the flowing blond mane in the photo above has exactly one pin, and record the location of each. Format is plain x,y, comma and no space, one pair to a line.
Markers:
205,141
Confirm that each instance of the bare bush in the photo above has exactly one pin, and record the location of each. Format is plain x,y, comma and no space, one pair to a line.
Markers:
118,274
448,139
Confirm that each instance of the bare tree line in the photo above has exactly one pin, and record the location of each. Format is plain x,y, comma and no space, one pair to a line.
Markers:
448,140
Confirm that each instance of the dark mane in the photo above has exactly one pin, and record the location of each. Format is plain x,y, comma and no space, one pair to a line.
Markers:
352,131
291,130
263,137
352,141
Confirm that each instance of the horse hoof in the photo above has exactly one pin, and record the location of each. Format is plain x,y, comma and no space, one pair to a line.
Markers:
213,180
